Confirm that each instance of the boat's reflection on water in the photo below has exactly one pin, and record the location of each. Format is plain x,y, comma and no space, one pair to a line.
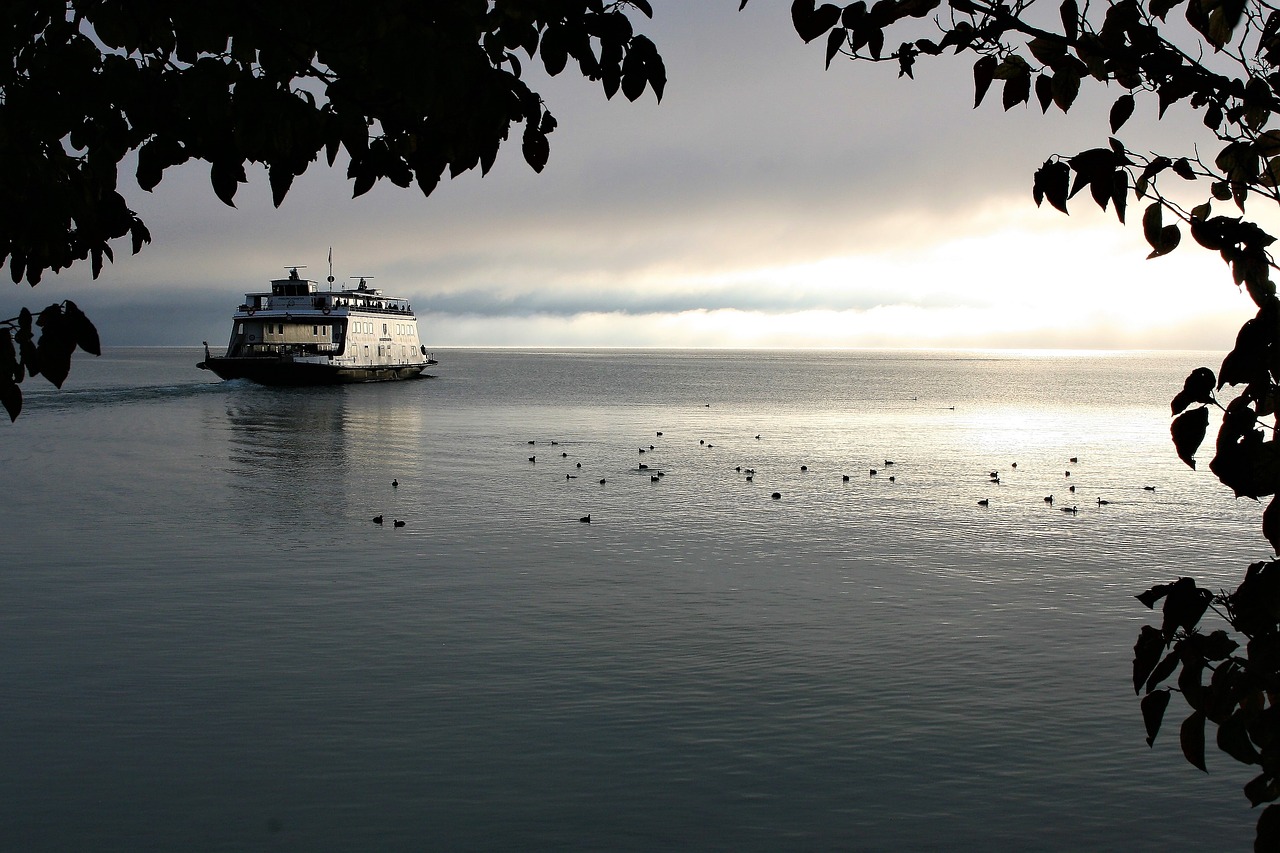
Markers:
298,452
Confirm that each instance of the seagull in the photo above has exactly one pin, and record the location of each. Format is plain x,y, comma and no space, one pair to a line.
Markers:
377,519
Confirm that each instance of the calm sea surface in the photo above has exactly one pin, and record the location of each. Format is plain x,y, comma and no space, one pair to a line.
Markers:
207,645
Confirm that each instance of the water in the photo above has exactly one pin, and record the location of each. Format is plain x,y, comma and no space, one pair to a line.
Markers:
209,646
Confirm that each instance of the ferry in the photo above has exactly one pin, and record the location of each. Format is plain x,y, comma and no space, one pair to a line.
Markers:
296,335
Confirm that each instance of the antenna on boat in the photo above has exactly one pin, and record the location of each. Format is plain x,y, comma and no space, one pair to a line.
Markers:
330,269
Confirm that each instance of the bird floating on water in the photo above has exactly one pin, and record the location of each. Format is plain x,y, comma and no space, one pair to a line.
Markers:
1074,459
873,472
395,484
1101,502
586,518
845,478
1069,509
377,519
984,502
776,495
1148,488
398,523
1049,500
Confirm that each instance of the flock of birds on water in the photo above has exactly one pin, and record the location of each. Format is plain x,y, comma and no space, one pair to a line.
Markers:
656,475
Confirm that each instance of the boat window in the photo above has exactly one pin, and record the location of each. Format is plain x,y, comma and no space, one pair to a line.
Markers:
315,331
239,328
384,328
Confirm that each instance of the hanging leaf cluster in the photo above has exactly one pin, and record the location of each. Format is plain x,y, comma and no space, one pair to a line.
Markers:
62,328
1234,687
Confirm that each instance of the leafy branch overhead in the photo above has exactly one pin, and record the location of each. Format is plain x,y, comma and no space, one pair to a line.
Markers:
1219,59
407,91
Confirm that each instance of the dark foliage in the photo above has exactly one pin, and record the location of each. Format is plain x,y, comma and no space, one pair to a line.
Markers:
405,90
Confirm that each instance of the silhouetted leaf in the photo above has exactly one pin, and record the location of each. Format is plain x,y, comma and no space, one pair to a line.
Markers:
1189,682
1233,739
1262,789
1069,12
1151,596
226,177
810,23
1153,706
1146,654
10,397
536,149
1191,738
1120,111
1267,835
1017,90
1196,388
984,71
835,40
1163,670
1052,182
1184,605
1188,432
1271,524
83,331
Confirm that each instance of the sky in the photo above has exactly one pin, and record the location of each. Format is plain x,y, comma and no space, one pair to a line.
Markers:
764,202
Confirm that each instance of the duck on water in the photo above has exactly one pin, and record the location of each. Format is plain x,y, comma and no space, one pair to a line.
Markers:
296,335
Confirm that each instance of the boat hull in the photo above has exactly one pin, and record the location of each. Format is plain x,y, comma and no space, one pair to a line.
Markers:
273,371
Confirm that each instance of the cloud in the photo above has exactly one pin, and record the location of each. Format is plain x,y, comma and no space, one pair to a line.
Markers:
764,202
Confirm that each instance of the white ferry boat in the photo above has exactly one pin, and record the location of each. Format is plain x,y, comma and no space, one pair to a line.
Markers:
296,335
